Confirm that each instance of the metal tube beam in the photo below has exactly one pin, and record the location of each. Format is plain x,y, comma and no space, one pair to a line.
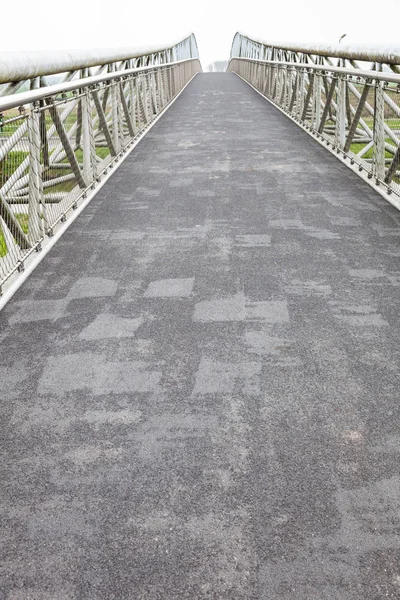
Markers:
22,65
386,55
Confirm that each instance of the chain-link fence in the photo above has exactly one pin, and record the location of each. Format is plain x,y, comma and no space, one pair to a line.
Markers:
56,143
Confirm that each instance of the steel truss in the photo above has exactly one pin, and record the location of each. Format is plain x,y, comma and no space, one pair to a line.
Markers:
57,142
21,70
352,108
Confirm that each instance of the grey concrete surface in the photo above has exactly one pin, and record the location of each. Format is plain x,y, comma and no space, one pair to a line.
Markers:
200,383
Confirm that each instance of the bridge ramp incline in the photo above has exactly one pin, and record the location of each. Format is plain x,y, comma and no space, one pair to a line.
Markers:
200,380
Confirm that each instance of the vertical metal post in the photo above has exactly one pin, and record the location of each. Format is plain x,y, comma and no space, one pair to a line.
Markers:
258,84
273,82
270,79
180,69
114,115
143,97
152,94
160,88
88,143
340,128
132,103
35,221
169,83
379,132
120,113
293,90
282,87
172,81
278,85
147,97
317,101
300,94
264,88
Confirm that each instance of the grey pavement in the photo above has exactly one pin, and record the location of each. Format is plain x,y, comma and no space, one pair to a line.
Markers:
200,382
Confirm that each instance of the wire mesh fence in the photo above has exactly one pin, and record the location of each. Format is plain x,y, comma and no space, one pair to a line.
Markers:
55,148
355,113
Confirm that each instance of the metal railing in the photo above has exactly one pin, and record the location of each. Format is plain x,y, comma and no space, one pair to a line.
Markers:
57,142
22,71
353,109
333,55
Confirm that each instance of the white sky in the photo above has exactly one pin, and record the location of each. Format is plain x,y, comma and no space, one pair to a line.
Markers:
48,24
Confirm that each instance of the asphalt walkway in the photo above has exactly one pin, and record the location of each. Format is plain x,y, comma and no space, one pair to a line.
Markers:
200,382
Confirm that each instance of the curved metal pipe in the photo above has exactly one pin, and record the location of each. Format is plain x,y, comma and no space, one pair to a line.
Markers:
22,65
384,54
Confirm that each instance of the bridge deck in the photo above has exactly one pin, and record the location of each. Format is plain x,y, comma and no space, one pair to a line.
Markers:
200,381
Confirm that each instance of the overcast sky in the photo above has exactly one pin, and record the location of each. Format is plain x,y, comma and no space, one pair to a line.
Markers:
46,24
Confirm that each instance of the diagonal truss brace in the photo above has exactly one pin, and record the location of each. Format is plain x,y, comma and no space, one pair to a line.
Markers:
64,139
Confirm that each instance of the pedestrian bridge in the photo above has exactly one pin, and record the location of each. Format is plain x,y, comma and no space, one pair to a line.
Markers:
199,378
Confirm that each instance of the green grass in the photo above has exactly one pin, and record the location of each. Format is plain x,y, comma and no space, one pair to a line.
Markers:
9,164
100,151
14,159
3,248
369,154
22,219
358,147
68,186
392,123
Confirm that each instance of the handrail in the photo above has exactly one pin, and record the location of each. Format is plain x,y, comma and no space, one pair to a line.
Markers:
58,141
16,100
16,67
372,75
353,111
242,45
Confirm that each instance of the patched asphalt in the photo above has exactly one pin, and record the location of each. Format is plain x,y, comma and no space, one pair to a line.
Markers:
200,382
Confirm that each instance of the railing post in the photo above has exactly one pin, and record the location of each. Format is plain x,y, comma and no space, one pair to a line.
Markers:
246,70
175,72
144,97
35,220
340,128
267,79
278,85
258,86
170,83
88,143
283,86
277,72
282,97
149,95
379,132
160,87
132,93
180,75
300,94
114,115
317,101
174,80
120,113
293,90
273,82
